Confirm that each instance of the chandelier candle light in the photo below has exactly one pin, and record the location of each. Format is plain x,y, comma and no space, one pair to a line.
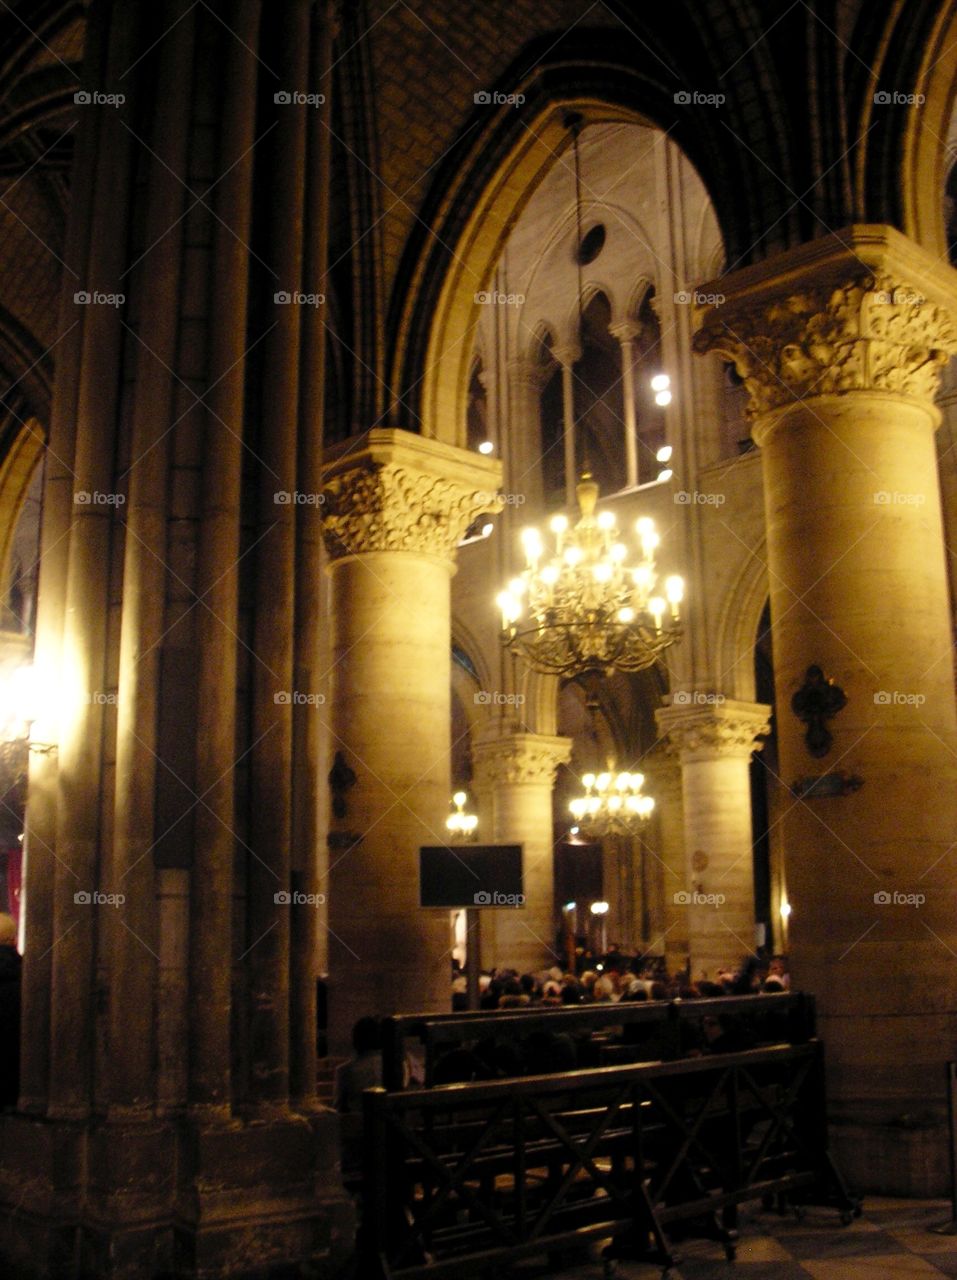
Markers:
460,823
583,608
613,804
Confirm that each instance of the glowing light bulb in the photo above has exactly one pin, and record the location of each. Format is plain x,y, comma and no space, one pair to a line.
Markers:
573,555
459,798
588,781
606,520
602,572
662,398
487,530
626,615
619,552
674,589
644,525
549,575
516,587
664,453
664,475
558,524
486,447
656,607
660,382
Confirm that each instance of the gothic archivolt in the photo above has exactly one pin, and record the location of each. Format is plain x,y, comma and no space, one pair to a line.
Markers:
873,333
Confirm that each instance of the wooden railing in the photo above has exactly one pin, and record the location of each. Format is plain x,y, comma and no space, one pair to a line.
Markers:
776,1017
464,1178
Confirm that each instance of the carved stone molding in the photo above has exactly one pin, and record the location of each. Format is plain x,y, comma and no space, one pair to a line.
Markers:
872,315
392,491
708,732
519,758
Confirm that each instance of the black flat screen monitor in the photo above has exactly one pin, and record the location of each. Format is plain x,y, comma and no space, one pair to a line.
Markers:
472,875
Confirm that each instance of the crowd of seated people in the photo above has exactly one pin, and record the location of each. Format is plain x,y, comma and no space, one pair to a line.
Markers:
617,978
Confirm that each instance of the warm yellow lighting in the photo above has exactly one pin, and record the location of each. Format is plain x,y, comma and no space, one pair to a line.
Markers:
460,823
581,606
664,475
486,447
663,398
785,910
599,908
660,382
664,453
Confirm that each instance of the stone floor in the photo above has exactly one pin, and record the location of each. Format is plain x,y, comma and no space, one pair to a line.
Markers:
892,1240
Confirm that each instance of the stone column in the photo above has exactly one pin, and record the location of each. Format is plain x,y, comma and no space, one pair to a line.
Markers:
664,845
395,506
626,332
519,771
567,358
714,743
526,379
841,343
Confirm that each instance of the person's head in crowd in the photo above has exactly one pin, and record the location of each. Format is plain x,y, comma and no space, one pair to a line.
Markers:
571,993
635,991
710,989
659,991
604,988
773,983
528,985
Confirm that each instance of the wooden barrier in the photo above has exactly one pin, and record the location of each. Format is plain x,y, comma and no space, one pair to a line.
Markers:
791,1016
461,1179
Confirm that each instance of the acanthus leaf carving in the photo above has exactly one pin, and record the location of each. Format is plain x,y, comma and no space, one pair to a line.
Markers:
872,332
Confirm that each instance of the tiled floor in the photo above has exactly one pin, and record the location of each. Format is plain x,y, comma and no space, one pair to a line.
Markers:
892,1240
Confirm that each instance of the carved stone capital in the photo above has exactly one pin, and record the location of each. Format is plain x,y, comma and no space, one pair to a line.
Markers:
707,731
865,310
625,330
524,371
390,490
519,758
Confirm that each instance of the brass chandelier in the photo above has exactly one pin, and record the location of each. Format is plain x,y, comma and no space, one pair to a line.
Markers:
613,804
583,608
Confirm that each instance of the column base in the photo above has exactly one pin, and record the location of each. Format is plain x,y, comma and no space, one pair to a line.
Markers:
172,1201
893,1160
